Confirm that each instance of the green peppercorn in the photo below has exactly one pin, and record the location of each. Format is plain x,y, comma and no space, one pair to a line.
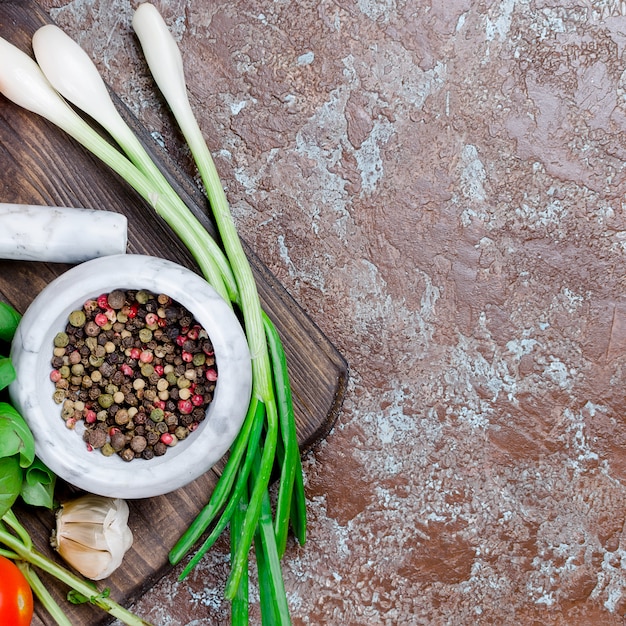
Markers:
143,296
181,432
182,382
147,370
107,449
61,340
95,361
105,400
78,369
145,335
157,415
77,318
199,359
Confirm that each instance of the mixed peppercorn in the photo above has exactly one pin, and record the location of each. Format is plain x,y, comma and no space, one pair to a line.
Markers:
136,369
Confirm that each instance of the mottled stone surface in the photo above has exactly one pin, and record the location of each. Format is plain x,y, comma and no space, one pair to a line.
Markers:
440,185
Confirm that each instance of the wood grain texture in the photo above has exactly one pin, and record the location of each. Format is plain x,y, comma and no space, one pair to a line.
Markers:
41,165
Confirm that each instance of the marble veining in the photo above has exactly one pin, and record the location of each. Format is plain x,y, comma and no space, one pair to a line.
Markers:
60,234
63,450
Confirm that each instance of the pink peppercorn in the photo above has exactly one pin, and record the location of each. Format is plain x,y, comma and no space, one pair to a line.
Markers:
180,340
162,322
103,301
55,376
151,318
193,333
101,319
135,353
159,404
127,370
146,356
159,370
167,438
185,406
187,356
197,399
90,416
132,311
211,374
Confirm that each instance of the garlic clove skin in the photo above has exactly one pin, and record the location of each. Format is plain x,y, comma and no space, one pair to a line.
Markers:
92,534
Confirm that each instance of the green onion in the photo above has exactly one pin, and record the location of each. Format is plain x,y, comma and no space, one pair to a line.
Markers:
165,63
238,492
239,606
274,609
291,503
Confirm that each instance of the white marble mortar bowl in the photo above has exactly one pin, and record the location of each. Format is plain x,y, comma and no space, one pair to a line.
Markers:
63,450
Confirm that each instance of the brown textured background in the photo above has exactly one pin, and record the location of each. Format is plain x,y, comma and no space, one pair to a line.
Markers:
441,186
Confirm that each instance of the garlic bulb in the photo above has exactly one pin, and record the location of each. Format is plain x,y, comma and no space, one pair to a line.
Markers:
92,534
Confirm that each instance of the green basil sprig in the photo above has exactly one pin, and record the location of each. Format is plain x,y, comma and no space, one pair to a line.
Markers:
21,474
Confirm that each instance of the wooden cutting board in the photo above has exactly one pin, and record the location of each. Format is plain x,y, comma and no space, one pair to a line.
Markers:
41,165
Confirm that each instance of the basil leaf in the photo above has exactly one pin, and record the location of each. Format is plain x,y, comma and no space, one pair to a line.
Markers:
38,485
10,483
7,373
15,435
9,319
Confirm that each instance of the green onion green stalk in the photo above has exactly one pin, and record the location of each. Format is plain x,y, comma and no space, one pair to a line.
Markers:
267,441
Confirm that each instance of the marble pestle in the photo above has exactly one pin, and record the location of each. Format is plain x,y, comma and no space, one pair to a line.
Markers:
60,234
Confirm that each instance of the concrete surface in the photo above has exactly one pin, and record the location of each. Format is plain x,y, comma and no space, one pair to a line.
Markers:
441,186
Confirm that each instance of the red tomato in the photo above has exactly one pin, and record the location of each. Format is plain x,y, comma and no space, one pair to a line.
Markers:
16,598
